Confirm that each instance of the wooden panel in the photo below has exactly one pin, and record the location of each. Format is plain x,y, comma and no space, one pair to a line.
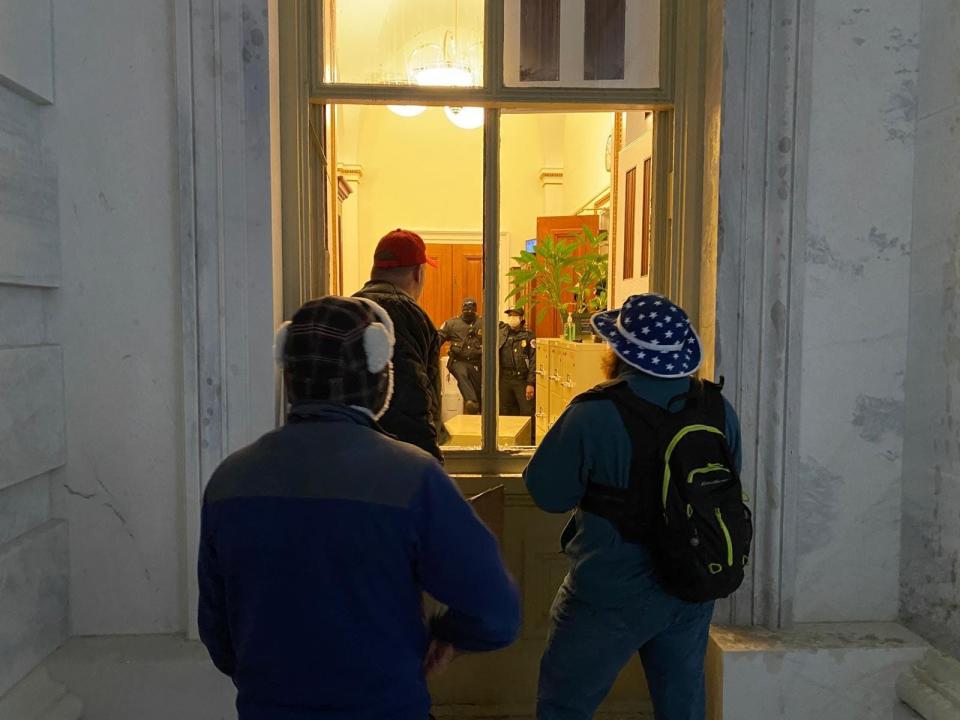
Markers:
630,223
645,228
31,412
26,48
572,369
459,275
490,508
468,275
542,416
29,216
436,299
505,683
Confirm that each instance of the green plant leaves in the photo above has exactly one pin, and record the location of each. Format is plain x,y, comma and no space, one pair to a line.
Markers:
556,272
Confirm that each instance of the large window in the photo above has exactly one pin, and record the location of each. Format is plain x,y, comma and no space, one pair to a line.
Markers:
508,158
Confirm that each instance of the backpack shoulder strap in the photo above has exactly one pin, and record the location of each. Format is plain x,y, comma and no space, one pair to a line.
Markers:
713,407
631,407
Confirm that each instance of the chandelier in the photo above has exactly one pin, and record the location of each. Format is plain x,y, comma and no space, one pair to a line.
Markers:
448,63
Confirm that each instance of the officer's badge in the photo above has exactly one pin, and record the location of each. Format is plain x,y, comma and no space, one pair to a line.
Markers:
533,344
523,343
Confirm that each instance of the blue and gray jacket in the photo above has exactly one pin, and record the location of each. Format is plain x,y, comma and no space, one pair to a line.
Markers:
589,442
317,542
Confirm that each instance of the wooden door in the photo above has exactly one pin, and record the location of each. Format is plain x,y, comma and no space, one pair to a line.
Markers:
459,275
564,226
437,299
630,262
468,275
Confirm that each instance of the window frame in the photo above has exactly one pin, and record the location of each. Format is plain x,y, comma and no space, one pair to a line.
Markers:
491,459
493,92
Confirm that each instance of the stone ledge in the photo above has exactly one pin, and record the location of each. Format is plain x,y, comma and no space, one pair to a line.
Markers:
831,671
932,687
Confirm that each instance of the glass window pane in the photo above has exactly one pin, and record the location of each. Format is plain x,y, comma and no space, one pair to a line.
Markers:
596,43
423,173
604,36
555,210
539,40
405,42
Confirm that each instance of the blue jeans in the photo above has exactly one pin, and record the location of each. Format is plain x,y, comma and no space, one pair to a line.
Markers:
588,646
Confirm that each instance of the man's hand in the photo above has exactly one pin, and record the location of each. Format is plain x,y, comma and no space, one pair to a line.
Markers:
439,656
529,392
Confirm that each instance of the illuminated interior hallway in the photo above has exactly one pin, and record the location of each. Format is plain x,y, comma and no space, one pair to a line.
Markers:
177,175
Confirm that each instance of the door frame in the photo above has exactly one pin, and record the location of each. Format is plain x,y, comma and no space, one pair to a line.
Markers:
230,148
643,241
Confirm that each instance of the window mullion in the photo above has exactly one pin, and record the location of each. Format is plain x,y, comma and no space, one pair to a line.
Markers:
491,304
493,46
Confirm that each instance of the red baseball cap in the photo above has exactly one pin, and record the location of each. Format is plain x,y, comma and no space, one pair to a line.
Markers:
401,248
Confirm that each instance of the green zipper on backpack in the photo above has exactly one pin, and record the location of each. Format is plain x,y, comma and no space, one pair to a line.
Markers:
672,446
726,535
708,468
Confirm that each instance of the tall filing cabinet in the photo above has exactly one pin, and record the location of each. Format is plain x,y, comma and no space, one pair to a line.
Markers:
564,370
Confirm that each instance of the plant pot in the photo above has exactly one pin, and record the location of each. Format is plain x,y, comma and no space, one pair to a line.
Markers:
584,328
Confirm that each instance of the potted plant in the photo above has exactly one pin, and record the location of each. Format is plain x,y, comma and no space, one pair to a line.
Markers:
566,274
590,286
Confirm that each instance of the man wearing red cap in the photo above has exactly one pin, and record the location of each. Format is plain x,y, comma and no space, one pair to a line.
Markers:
396,284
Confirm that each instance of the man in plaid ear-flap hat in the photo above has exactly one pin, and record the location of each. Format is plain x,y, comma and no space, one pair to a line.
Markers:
318,540
338,350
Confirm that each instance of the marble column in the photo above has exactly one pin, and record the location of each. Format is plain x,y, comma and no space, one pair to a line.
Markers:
33,545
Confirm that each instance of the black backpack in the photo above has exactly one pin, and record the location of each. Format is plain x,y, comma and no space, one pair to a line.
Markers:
685,501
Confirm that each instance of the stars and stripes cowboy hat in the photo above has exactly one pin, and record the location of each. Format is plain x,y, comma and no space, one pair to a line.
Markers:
652,334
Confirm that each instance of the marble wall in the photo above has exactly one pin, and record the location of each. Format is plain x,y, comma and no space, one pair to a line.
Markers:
930,589
33,546
832,671
854,334
115,132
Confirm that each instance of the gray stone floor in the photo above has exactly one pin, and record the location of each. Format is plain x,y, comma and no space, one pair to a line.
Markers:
162,677
143,678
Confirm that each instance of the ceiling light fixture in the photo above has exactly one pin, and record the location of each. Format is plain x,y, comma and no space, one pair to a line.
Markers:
468,118
406,110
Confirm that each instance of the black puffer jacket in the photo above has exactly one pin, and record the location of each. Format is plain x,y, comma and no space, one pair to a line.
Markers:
414,415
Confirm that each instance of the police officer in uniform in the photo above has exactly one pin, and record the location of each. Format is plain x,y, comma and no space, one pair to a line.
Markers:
463,334
517,365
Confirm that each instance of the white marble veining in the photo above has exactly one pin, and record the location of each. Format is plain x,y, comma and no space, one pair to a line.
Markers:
859,199
114,130
33,599
26,49
31,412
29,221
23,507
